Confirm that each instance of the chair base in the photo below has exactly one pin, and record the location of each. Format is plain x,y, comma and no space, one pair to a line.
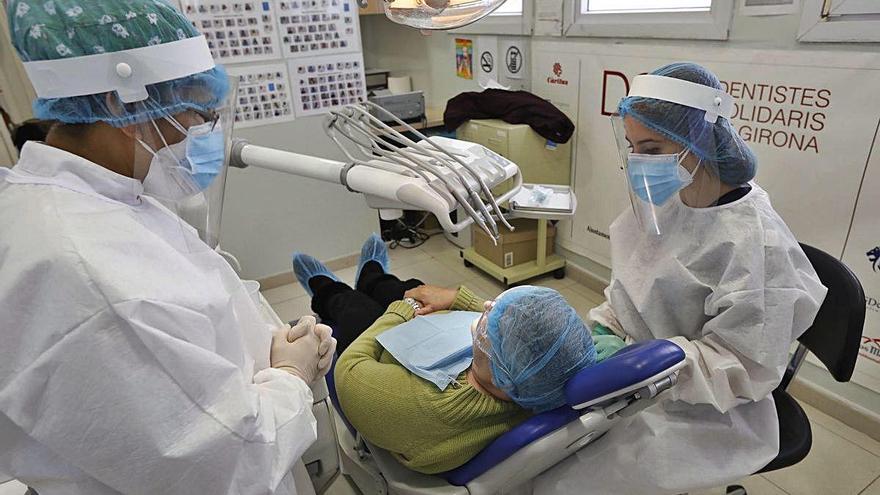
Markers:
366,468
321,459
358,466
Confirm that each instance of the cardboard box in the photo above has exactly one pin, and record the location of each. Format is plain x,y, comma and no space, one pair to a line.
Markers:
514,248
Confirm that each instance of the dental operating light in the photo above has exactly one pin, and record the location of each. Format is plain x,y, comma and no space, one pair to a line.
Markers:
437,14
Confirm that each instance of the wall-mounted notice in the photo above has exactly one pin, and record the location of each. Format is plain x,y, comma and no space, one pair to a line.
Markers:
464,58
321,84
486,58
264,95
514,59
310,28
803,115
237,31
557,77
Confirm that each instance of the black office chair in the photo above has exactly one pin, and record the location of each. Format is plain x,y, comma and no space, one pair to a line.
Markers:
834,338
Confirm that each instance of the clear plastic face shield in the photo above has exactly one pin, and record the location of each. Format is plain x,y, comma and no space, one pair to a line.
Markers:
482,347
479,330
173,111
662,174
183,161
439,14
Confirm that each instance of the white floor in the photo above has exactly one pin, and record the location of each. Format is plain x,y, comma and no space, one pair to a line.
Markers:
842,461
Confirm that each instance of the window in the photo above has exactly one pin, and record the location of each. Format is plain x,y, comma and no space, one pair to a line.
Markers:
840,20
510,7
769,7
513,17
767,3
616,6
674,19
854,7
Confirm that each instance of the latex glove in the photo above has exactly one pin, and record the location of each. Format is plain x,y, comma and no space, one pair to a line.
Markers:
326,349
432,298
296,350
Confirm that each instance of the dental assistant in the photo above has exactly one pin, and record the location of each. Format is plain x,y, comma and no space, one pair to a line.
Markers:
701,259
134,360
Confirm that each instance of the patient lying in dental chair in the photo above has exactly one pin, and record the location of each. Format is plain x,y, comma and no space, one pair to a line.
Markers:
527,343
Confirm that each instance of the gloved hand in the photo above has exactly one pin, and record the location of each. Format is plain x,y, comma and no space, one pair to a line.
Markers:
326,349
297,350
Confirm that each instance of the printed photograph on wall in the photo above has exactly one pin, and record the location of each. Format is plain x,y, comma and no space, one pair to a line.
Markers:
464,58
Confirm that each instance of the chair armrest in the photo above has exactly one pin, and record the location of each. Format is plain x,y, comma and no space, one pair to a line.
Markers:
542,454
638,366
511,442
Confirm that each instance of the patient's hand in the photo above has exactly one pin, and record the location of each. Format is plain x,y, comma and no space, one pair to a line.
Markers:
432,298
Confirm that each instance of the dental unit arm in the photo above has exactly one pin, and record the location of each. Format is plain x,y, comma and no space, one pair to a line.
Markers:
394,173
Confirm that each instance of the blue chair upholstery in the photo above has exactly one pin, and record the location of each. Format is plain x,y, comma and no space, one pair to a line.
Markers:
509,443
631,365
331,383
334,397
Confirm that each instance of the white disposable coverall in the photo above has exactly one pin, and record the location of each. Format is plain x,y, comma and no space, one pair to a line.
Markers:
731,286
129,347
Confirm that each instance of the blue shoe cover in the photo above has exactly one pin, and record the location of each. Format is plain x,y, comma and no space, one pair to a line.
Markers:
374,249
305,267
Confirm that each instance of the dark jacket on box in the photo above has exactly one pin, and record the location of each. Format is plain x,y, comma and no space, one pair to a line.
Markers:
513,107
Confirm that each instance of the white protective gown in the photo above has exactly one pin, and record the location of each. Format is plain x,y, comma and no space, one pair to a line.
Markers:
130,348
731,286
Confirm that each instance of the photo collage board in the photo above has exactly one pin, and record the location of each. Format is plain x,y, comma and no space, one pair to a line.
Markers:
292,58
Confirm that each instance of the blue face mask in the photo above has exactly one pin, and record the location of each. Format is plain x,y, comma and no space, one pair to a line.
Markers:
205,152
656,178
183,169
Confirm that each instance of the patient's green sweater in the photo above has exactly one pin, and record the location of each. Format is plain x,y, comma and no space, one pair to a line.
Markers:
425,429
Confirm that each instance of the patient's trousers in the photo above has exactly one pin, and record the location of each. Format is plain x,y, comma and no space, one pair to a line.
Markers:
351,311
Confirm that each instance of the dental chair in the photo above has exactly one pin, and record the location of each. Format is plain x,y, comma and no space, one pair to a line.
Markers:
597,398
835,338
621,386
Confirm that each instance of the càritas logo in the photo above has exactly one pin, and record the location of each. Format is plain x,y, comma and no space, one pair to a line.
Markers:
557,71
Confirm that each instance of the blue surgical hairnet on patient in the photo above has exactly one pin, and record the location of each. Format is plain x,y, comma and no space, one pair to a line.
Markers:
718,145
537,342
56,29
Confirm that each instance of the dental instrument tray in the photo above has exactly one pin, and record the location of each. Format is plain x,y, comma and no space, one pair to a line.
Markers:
555,201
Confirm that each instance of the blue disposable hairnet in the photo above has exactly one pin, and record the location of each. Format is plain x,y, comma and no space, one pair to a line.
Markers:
537,342
718,145
54,29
